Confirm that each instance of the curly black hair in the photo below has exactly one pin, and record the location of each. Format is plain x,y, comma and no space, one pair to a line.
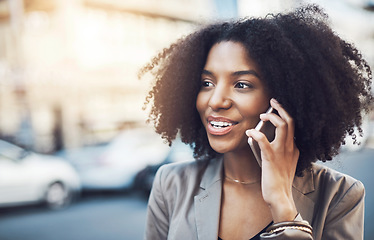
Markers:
321,80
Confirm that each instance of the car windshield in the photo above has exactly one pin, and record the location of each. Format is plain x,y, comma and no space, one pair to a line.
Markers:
11,151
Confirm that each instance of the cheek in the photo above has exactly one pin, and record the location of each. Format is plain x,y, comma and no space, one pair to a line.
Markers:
253,107
200,103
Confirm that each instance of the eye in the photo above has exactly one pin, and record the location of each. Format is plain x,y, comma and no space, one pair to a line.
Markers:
243,85
206,83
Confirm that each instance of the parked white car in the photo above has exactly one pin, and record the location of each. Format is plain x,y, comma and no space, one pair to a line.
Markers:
116,167
27,177
179,152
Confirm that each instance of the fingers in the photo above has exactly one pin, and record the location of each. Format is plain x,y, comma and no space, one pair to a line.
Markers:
284,124
260,138
287,124
256,135
281,127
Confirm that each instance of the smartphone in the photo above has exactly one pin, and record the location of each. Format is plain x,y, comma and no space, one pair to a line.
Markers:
269,130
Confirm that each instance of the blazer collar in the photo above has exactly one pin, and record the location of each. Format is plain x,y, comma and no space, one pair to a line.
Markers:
213,173
305,184
302,186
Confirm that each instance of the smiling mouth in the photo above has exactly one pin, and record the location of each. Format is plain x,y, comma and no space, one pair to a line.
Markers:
218,124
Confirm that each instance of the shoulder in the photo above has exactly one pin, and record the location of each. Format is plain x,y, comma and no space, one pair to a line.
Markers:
329,187
326,195
338,191
181,170
335,180
190,165
176,182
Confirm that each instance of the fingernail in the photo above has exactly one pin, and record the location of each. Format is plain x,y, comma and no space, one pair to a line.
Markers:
247,132
274,100
262,115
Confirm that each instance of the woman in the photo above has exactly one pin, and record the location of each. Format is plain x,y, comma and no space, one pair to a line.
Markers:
212,88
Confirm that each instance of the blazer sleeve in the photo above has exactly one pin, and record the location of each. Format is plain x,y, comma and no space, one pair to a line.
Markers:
157,220
345,219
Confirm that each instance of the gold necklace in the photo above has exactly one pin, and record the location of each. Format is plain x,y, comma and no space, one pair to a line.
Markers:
237,181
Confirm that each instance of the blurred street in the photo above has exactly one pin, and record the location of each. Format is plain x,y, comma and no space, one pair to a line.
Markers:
122,216
95,217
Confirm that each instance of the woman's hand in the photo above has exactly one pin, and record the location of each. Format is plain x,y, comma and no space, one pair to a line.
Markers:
279,161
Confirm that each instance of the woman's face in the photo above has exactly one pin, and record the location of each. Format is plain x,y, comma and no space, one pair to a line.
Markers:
231,98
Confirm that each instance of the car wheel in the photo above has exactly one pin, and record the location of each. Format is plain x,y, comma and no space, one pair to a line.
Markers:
57,196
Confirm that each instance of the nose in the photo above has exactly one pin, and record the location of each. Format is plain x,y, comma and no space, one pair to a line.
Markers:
220,99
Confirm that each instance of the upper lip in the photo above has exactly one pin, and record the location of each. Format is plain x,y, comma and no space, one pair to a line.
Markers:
221,119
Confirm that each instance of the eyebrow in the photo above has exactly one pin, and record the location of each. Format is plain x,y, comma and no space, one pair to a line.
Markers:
238,73
247,72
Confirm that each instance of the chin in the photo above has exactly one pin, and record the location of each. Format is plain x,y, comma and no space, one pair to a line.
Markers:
221,146
220,150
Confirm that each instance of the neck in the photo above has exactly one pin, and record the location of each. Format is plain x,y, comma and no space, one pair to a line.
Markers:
241,166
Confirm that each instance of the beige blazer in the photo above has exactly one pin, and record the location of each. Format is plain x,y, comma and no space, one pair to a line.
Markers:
186,197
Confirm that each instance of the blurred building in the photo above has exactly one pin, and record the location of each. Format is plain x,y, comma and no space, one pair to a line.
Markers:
68,68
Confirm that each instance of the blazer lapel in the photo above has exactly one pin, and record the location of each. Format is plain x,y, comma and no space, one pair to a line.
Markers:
301,187
208,201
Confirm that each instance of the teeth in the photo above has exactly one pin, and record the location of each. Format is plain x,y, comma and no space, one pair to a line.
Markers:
220,124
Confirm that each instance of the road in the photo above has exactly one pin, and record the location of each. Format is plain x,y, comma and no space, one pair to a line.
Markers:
115,217
97,217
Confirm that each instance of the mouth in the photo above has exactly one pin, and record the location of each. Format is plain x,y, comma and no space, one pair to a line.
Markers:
219,125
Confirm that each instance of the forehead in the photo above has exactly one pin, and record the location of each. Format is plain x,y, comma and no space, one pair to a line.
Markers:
230,55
